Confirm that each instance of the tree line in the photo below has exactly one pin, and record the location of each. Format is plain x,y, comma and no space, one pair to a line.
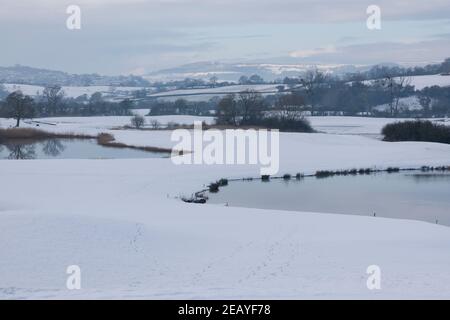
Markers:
53,103
249,108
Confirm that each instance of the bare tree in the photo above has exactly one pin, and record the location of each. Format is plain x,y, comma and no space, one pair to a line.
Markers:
213,80
311,82
396,86
138,121
425,103
227,112
125,107
289,107
3,92
250,105
54,96
19,106
155,124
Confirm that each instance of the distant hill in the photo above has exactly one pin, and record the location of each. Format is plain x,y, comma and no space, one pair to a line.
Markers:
233,71
35,76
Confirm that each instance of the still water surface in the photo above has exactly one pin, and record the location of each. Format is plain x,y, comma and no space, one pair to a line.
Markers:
70,149
412,195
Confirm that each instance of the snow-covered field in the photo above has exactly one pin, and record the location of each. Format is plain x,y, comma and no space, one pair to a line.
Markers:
357,125
420,82
207,94
117,92
74,92
94,125
227,89
123,223
406,103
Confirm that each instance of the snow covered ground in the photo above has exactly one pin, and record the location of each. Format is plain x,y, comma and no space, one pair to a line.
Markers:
207,94
74,92
123,223
420,82
356,125
406,103
227,89
93,125
124,92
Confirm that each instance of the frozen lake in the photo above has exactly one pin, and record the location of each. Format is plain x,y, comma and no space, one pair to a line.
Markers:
70,149
413,195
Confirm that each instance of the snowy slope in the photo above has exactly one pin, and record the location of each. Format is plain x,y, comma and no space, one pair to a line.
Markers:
420,82
406,103
223,90
370,127
357,125
121,221
208,93
73,92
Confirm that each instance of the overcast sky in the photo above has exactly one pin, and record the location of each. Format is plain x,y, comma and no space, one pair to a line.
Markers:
138,36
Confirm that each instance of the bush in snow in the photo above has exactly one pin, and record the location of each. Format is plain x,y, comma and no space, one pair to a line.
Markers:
416,131
138,121
155,124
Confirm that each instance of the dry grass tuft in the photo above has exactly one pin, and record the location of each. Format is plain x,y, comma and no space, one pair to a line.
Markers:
36,134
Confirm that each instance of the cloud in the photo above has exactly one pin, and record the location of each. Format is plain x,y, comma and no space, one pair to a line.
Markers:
312,52
410,53
122,35
210,12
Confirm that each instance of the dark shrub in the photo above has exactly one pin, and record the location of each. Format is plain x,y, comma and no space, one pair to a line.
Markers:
324,174
214,187
287,125
418,130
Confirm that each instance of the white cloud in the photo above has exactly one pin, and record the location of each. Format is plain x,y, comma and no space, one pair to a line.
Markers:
312,52
232,11
410,53
121,35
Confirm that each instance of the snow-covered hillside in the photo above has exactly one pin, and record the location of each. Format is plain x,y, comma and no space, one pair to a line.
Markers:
74,92
407,103
420,82
206,94
290,67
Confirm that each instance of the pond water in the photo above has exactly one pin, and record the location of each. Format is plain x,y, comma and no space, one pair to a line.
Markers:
412,195
70,149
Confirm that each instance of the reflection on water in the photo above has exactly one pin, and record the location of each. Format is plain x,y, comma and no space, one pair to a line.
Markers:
418,196
68,149
21,151
428,177
53,147
25,150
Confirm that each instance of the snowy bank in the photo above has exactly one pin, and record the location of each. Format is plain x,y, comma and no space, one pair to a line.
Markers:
123,223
